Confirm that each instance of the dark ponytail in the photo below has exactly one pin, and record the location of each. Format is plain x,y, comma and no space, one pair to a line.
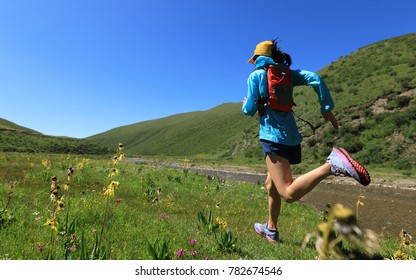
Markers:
280,57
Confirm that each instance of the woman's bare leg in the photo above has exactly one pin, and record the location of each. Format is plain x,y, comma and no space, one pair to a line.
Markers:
274,202
292,190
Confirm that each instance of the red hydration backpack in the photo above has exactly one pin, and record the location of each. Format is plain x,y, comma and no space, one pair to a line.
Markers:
280,88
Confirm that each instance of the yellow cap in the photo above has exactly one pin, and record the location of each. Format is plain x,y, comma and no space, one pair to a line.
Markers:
263,48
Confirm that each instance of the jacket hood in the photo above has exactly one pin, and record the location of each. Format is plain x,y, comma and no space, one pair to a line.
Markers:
264,61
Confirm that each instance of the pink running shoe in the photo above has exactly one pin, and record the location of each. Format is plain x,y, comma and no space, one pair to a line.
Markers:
271,235
342,164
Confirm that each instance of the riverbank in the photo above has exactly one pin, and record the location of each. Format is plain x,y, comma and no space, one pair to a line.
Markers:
378,179
389,203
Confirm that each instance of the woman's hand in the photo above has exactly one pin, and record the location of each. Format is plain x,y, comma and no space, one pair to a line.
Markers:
328,116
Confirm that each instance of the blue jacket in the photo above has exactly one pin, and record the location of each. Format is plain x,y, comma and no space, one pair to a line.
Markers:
280,127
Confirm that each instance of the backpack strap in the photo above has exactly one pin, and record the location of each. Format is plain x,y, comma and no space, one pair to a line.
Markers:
262,99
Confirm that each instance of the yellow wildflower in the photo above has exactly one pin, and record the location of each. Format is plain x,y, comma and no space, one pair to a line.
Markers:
359,201
46,163
80,165
54,183
120,155
222,223
111,188
51,223
115,159
60,204
120,146
70,171
405,238
114,184
109,192
400,255
186,163
113,172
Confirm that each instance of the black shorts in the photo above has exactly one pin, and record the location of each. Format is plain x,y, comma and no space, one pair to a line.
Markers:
292,153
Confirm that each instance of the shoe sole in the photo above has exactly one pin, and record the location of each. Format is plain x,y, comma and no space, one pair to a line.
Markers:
265,236
362,174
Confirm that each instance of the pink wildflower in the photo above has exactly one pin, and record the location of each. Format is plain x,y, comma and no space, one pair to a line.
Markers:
41,247
194,253
164,216
180,253
193,242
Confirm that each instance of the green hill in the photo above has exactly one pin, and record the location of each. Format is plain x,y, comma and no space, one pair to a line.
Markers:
6,125
16,138
374,92
210,132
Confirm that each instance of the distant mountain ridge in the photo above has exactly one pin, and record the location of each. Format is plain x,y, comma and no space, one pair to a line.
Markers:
6,125
16,138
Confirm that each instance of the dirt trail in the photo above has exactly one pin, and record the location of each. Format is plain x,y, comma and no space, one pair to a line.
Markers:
389,206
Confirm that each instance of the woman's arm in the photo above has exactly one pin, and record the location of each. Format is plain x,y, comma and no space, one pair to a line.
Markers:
308,78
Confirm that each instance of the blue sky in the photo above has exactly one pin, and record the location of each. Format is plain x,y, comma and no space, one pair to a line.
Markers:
81,67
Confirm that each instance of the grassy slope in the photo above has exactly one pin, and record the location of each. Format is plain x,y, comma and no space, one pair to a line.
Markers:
373,89
358,81
9,126
207,132
16,138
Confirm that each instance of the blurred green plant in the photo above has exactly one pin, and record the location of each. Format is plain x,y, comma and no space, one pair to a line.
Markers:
159,250
7,216
227,242
207,222
340,237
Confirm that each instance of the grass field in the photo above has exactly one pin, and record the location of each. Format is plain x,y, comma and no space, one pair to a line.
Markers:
68,207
